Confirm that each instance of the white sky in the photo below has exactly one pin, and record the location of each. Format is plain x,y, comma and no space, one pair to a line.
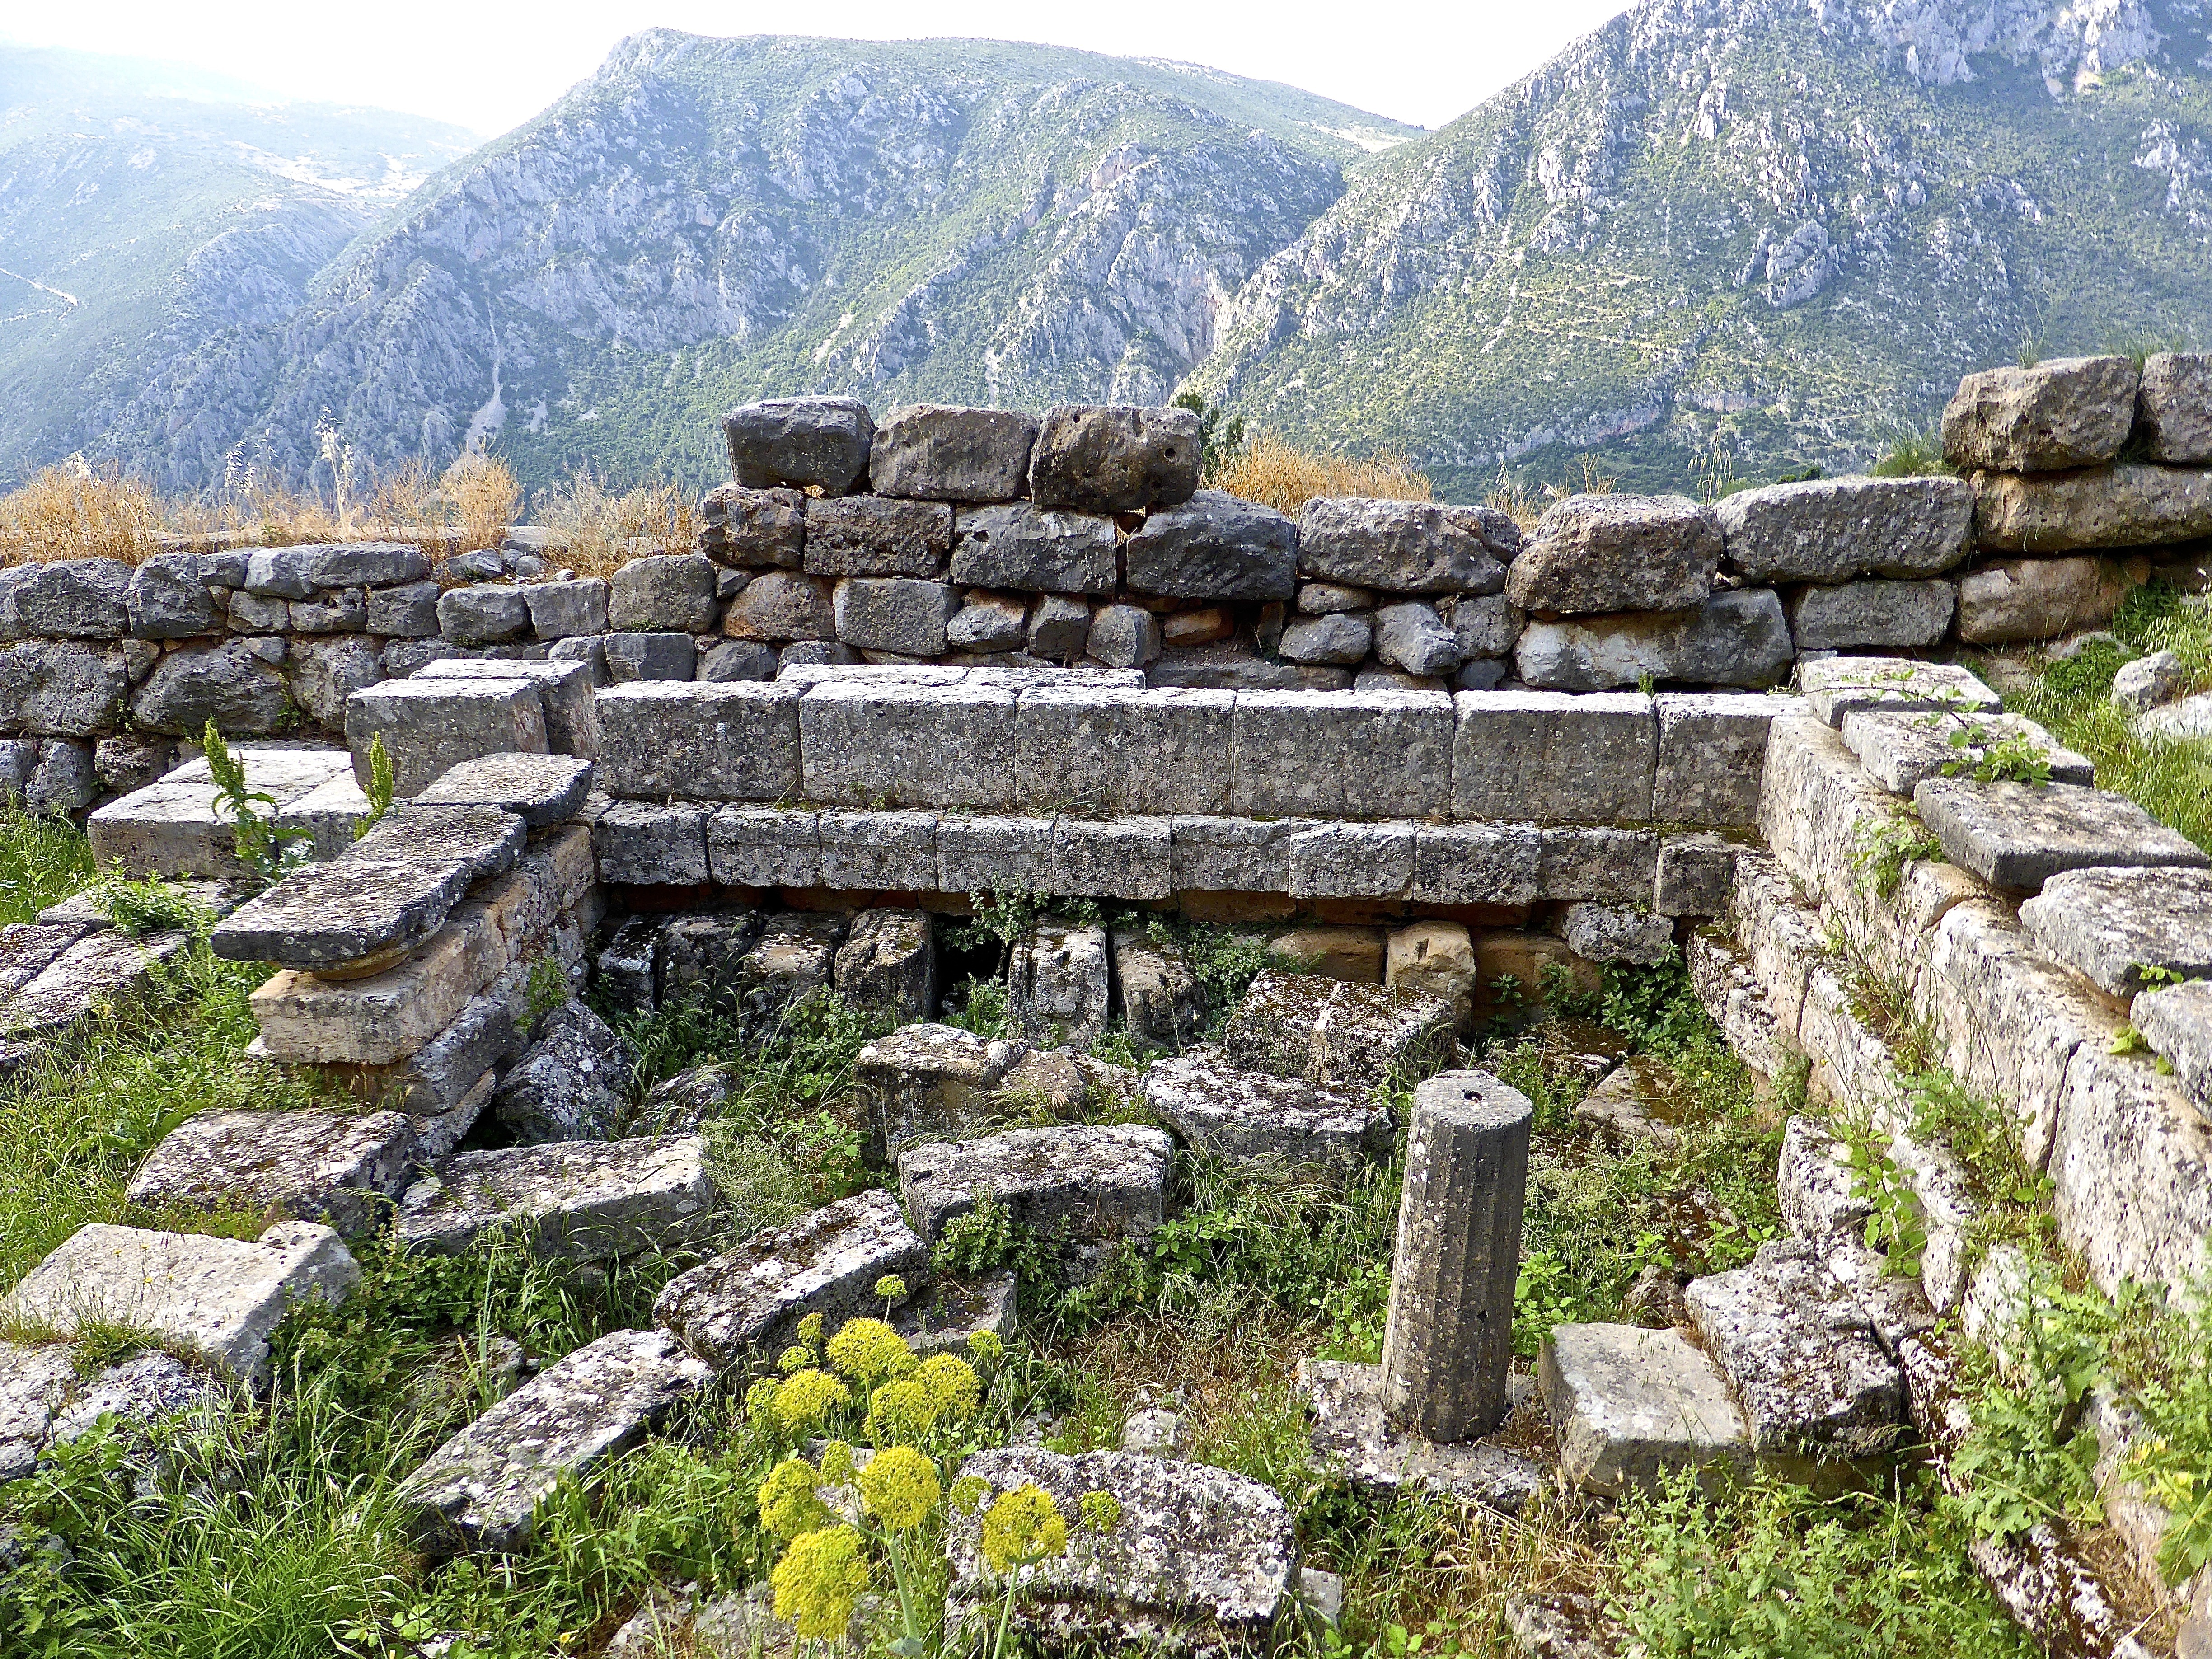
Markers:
488,65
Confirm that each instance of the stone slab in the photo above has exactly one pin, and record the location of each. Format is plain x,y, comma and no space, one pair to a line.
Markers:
701,740
1901,751
1554,756
1836,686
1333,1034
2019,835
2124,931
2177,1022
1631,1405
1231,1113
1354,1440
573,1200
542,790
342,1170
565,694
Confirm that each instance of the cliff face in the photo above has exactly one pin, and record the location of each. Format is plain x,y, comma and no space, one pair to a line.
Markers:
1746,235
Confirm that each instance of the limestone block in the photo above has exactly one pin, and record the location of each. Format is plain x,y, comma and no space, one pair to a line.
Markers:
876,536
1721,976
1400,547
1056,984
45,1402
1160,1001
879,852
747,1303
1437,958
1094,458
1907,614
542,790
631,658
2120,928
251,613
436,1082
167,599
349,564
1819,1200
780,605
1128,858
1476,864
1829,529
344,1171
2174,407
1354,955
1735,638
1123,636
886,744
2019,600
65,598
627,965
1214,546
2177,1022
1118,750
643,844
408,612
2019,835
1355,1440
981,855
941,453
701,740
699,958
989,622
1604,866
1350,860
339,610
791,961
764,847
63,780
1631,1405
2063,412
107,966
1218,854
1019,545
1060,629
572,1084
1711,756
1328,1032
564,690
1342,754
1336,637
486,614
798,441
2128,506
895,614
2131,1165
1596,553
1233,1113
569,610
1413,637
431,726
1696,873
218,1298
1554,756
889,963
1818,808
2149,681
753,529
1899,751
1094,1185
1837,686
1606,932
236,685
670,593
52,688
482,1488
1782,937
573,1200
929,1082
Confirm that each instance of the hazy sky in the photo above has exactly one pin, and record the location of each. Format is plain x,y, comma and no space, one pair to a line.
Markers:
488,65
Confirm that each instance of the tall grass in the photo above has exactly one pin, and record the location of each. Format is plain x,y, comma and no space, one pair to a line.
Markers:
43,859
77,512
601,529
1271,471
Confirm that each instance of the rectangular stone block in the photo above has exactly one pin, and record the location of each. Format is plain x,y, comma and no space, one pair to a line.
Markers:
2019,835
1350,861
431,726
984,854
1217,854
1342,754
1818,810
2177,1022
646,845
879,852
1129,858
1123,749
1632,1405
1477,864
885,743
1711,756
1695,875
764,847
569,1200
1781,937
1604,866
1554,756
386,1017
2131,1164
564,692
701,739
1837,686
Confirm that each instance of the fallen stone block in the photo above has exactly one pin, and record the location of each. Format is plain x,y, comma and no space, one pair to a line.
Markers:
217,1297
106,968
1201,1561
1568,759
573,1200
791,960
1600,553
345,1171
430,725
2019,835
1056,985
481,1489
2063,412
1631,1406
888,963
173,828
944,1316
701,740
1088,1188
1639,1104
1159,999
1328,1033
1354,1441
747,1303
1343,754
2125,931
1901,751
2131,1167
572,1084
1836,686
644,843
924,1082
1229,1112
46,1402
542,790
1114,458
1829,529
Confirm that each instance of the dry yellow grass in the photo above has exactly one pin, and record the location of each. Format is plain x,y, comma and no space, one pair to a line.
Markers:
599,530
1277,473
73,512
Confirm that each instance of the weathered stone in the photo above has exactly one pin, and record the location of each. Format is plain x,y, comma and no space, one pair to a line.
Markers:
792,959
1354,955
700,955
1344,754
1095,458
2128,506
251,613
1414,638
2177,1022
55,689
746,1302
1587,759
941,453
1335,638
928,1082
1606,866
2149,681
2125,931
1603,933
326,672
1400,547
1733,996
1696,874
879,852
2190,718
1737,638
174,828
876,536
643,844
348,564
1819,1197
430,725
2131,1169
1354,1440
1894,614
754,529
2063,412
1631,1406
2174,407
1123,636
879,743
1487,627
574,1200
1330,1033
570,1084
735,659
542,790
671,593
1838,686
632,659
1800,1358
488,613
167,599
1711,757
1060,629
1436,957
2017,599
764,847
1093,1186
1637,1103
1056,984
1158,998
407,612
1901,750
798,441
567,609
218,1298
701,740
65,598
1594,553
1233,1113
1331,598
895,614
565,692
780,605
482,1488
889,963
1215,546
2019,835
1830,530
1021,546
989,622
1115,749
236,684
45,1402
63,780
1201,1561
344,1171
625,968
1476,864
339,610
121,763
1350,860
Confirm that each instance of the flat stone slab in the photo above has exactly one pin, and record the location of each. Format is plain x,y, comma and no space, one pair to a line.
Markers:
1638,1103
1353,1439
45,1400
1630,1405
2188,719
385,894
579,1201
1812,1179
1837,686
930,1080
943,1317
479,1489
2111,926
2177,1022
285,771
1233,1113
1201,1561
746,1302
1799,1355
539,789
1325,1031
2019,834
1901,751
107,966
218,1298
344,1170
1094,1185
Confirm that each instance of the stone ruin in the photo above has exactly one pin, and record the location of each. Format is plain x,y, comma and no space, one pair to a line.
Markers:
673,811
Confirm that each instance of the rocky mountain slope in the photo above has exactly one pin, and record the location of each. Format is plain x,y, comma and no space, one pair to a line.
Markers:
1746,235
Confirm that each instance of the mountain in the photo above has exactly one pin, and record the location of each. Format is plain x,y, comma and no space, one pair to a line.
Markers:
156,222
705,221
1729,238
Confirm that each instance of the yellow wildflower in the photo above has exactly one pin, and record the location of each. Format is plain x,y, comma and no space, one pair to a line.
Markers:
951,1384
793,1359
1021,1528
811,1329
900,1488
900,1412
891,1287
1099,1511
870,1352
969,1492
788,1503
807,1398
819,1580
987,1348
836,1463
760,1399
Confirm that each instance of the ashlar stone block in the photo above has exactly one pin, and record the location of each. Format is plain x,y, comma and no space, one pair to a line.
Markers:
2019,835
1711,756
1554,756
1837,686
1125,749
2125,931
1096,1185
344,1170
881,744
430,725
577,1200
764,847
2131,1169
644,844
701,740
879,852
1631,1405
1229,1112
1342,754
929,1082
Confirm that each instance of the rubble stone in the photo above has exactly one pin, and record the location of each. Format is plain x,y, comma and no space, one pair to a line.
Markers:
877,536
2174,407
1330,1033
798,441
2063,412
2149,681
236,685
1098,457
671,592
1060,629
634,659
1596,553
700,957
65,598
1604,932
1735,638
1094,1185
1892,614
1631,1405
576,1200
754,529
1400,547
486,614
942,454
895,614
1338,638
1029,549
1215,546
989,622
1413,637
780,605
167,599
2019,835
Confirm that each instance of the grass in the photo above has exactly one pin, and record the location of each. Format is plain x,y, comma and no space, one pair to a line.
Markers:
1271,470
43,860
600,529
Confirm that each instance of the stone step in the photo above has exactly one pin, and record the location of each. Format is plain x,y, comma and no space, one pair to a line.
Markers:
2018,836
565,694
172,828
542,790
386,893
1093,1186
1836,687
346,1171
1900,752
2118,928
1229,1112
574,1200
